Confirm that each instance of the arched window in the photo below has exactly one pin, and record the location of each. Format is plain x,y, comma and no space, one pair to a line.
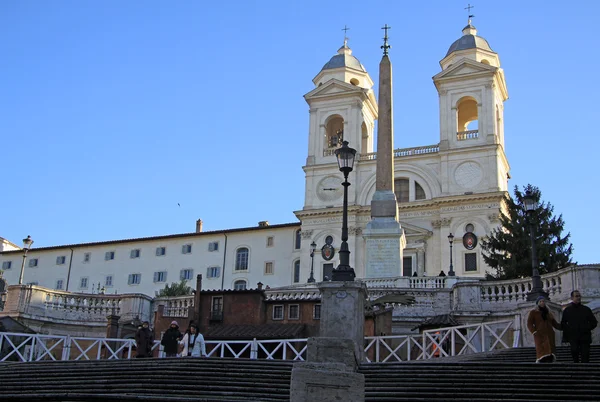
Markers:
419,192
241,259
296,278
467,115
239,285
334,132
364,146
298,240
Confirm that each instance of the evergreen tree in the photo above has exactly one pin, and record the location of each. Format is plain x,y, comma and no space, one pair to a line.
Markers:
508,249
175,289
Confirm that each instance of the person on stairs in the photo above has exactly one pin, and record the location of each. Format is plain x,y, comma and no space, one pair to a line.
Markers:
541,324
193,343
144,340
170,339
578,321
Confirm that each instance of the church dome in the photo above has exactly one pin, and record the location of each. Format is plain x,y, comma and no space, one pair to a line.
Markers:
469,40
344,58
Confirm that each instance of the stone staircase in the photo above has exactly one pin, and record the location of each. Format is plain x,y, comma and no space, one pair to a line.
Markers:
508,375
147,379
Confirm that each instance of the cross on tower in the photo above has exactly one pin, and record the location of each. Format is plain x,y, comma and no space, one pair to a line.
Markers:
468,8
385,46
345,29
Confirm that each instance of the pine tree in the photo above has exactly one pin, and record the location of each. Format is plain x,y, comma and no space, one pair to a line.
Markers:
508,248
175,289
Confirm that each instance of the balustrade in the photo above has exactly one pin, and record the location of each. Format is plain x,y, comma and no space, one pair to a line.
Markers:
467,135
400,152
178,307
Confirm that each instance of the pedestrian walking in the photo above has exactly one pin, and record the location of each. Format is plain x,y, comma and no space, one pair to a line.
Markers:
193,343
578,321
170,340
144,340
541,324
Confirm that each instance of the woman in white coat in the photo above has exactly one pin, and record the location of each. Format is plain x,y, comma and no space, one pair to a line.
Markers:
193,343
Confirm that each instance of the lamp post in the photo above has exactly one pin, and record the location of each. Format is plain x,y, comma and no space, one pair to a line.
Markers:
313,247
451,240
345,157
27,242
537,290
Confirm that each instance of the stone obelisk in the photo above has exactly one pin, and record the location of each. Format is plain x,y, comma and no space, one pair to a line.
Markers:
383,235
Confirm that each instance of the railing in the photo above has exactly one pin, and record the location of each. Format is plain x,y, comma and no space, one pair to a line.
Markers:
453,341
178,307
92,304
516,290
467,135
443,342
409,282
427,149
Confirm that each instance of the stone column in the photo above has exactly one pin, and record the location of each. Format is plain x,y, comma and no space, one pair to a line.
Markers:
383,234
112,331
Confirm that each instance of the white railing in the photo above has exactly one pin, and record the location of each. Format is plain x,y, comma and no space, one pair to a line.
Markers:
467,135
516,290
443,342
178,307
408,282
453,341
400,152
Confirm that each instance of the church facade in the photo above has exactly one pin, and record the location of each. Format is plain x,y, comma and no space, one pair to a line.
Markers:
449,195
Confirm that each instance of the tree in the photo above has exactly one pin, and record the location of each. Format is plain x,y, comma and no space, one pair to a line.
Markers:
508,249
175,289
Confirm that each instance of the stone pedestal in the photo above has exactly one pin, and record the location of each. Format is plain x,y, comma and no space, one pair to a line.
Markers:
343,312
385,243
326,382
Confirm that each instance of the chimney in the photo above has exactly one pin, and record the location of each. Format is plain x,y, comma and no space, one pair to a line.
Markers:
199,226
259,285
263,224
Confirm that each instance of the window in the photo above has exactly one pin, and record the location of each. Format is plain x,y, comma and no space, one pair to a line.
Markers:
109,255
87,257
470,262
296,271
108,281
186,249
59,284
241,259
135,253
7,265
334,130
278,312
406,266
61,260
134,279
239,285
327,271
160,251
186,274
268,268
317,311
298,240
402,191
213,246
83,283
294,312
213,272
469,228
33,262
216,310
270,241
159,276
419,192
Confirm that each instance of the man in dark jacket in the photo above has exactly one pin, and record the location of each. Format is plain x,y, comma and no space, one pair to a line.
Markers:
144,340
577,322
170,340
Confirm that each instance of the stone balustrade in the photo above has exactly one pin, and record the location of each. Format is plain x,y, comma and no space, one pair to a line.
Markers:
410,282
175,306
400,152
467,135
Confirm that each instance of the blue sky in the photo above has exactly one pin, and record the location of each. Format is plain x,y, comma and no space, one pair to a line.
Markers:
113,112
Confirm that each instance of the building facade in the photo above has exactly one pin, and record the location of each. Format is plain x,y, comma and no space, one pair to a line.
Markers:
455,186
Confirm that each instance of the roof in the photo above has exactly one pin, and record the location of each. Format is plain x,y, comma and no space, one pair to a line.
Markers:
164,237
261,331
344,58
438,321
469,40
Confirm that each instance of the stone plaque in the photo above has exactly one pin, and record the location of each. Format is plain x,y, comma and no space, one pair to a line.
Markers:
383,257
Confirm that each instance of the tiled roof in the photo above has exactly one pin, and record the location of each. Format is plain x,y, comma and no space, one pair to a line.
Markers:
439,321
294,296
172,236
264,331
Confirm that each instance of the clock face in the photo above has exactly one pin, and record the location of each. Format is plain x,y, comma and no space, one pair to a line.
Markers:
468,174
330,188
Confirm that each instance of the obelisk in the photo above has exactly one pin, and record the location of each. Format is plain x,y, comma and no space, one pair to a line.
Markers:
383,235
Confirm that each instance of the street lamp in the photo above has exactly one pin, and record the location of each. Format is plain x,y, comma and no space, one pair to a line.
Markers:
537,290
313,247
451,240
345,157
27,242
